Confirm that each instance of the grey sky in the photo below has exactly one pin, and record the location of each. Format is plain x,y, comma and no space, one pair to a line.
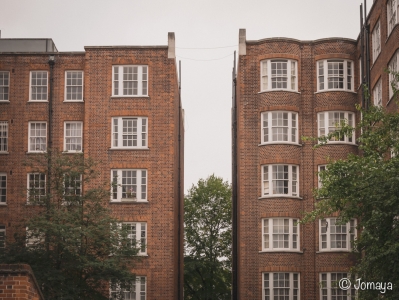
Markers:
206,85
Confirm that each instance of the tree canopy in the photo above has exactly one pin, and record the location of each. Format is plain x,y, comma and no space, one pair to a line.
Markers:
366,187
73,244
208,225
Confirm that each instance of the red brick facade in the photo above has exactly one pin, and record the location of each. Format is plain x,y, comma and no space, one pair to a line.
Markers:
17,282
309,261
161,158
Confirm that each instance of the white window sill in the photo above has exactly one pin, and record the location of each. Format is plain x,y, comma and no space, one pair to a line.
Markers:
3,203
336,90
130,96
279,196
72,152
38,101
36,152
4,101
127,202
279,90
4,152
66,101
280,143
125,148
335,250
280,251
341,143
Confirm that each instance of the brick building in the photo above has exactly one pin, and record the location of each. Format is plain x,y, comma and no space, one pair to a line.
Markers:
119,105
285,89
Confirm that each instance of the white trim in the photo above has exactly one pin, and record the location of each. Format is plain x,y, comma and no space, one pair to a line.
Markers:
376,41
119,79
268,289
117,134
320,168
267,119
323,65
3,188
2,86
377,93
34,187
4,137
266,75
267,180
392,15
269,234
3,236
137,235
331,245
140,289
81,137
393,65
30,87
140,182
326,285
323,119
65,86
37,137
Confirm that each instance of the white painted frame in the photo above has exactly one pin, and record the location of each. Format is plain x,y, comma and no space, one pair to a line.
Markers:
323,122
266,75
117,190
291,285
65,136
119,82
30,136
324,63
268,181
65,89
268,116
31,86
141,129
269,222
328,233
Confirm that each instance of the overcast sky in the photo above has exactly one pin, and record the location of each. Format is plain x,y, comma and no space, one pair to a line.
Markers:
206,73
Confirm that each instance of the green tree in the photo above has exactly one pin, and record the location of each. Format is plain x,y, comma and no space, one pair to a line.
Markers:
366,187
207,220
71,241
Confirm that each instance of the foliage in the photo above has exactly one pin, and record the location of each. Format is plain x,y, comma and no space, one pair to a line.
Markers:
366,187
208,239
75,246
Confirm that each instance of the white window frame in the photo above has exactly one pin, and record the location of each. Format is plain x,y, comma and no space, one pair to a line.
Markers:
30,138
4,86
117,136
267,180
320,168
322,72
269,128
139,286
75,189
350,231
3,188
392,14
393,66
268,287
32,241
3,136
77,85
139,237
329,286
121,194
2,236
376,41
75,137
41,186
118,80
377,93
360,72
273,230
266,75
31,87
323,125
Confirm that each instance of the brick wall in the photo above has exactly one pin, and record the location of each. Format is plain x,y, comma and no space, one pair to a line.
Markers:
17,282
163,212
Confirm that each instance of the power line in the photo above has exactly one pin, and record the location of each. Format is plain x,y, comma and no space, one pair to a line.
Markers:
207,48
205,59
